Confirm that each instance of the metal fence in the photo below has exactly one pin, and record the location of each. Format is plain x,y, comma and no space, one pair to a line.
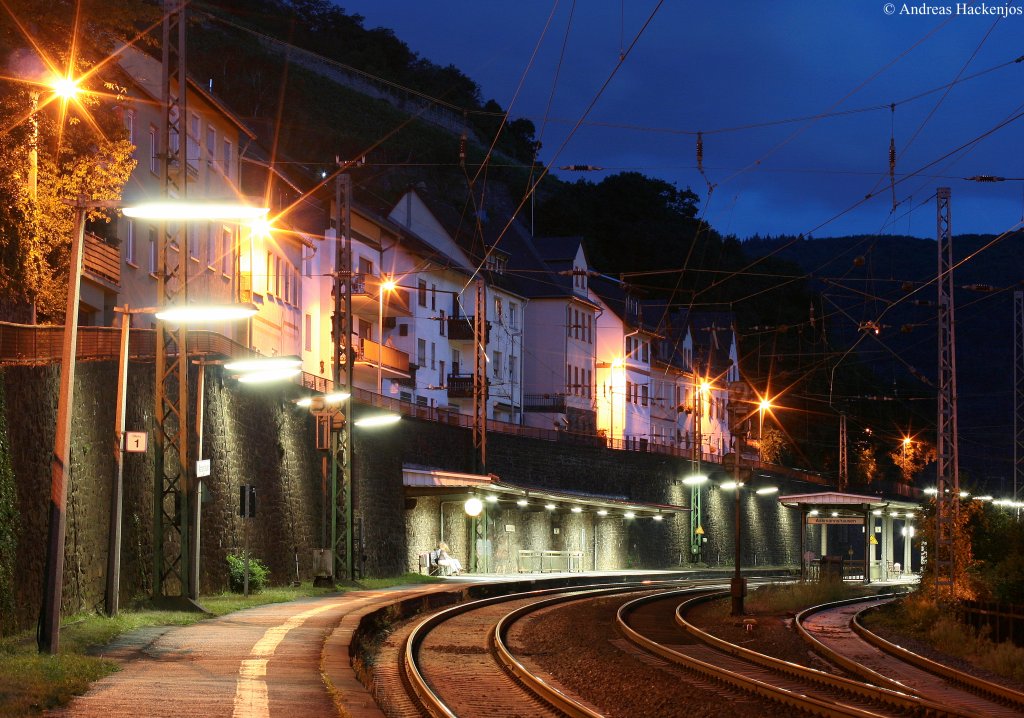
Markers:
38,344
1000,621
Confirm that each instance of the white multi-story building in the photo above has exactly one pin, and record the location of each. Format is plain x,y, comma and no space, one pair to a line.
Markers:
624,355
431,256
222,261
561,337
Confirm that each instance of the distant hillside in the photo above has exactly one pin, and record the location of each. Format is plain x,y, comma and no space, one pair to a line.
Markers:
888,281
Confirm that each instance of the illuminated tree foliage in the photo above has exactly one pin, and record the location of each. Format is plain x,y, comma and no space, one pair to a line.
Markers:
966,582
772,446
865,465
912,459
82,150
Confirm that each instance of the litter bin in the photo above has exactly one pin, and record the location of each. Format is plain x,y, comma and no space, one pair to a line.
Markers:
831,568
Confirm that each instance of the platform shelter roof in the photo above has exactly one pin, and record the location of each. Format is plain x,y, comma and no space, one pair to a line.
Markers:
838,501
420,481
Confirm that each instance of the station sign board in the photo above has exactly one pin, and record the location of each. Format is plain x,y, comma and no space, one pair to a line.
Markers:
836,520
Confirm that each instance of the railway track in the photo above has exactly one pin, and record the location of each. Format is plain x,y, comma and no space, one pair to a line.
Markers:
836,632
454,667
460,662
646,622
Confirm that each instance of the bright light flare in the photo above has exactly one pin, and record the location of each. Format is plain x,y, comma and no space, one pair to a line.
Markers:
695,480
764,490
200,314
268,376
379,420
261,227
264,364
388,285
185,211
731,485
65,88
473,506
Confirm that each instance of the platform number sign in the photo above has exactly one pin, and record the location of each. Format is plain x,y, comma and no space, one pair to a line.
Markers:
135,442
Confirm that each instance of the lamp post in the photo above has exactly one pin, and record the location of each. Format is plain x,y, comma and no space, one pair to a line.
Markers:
49,629
762,407
738,586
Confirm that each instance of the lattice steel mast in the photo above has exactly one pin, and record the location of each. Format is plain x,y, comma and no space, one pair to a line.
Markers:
947,497
173,487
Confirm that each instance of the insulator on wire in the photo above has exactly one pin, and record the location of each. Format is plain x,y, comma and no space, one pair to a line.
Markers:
700,151
462,150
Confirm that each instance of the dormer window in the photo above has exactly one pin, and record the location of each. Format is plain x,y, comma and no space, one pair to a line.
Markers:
495,263
579,278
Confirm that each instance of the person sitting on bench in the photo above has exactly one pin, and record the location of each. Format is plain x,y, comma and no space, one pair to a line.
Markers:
451,565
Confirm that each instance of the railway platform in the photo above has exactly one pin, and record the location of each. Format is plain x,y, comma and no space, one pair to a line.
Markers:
269,660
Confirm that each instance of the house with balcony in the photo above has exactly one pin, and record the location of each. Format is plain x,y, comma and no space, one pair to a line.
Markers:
560,336
624,344
211,254
453,280
379,310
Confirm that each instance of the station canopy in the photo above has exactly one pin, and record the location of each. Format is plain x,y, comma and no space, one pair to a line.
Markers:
420,481
841,504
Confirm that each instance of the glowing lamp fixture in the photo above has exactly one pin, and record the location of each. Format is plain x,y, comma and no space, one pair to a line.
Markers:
577,510
657,517
184,211
388,285
268,375
334,398
907,441
877,512
264,364
767,490
695,480
491,498
765,405
629,515
964,494
731,485
932,491
835,514
64,87
522,502
983,498
209,313
550,507
813,512
378,420
473,506
602,512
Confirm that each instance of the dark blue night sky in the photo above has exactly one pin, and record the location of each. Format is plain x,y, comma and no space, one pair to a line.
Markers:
714,66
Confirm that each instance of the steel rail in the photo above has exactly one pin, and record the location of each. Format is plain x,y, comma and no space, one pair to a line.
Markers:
839,659
980,685
798,699
543,689
420,687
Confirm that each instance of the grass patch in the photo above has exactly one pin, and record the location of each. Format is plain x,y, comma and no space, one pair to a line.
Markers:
794,597
31,682
920,617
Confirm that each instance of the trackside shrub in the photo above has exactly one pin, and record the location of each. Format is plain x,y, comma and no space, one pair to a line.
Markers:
259,574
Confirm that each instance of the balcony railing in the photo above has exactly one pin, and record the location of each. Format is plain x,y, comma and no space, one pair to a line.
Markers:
551,403
372,352
101,260
460,386
460,329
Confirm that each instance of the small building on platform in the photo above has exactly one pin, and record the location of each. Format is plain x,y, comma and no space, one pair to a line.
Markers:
855,531
494,526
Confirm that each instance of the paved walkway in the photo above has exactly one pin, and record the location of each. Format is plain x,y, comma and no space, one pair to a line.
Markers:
266,661
283,659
